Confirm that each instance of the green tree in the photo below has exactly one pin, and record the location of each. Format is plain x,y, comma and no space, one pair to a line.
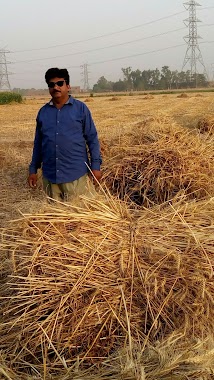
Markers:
103,85
166,76
137,80
128,77
119,86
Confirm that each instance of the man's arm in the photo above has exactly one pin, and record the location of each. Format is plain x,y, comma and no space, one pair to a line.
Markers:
36,156
91,137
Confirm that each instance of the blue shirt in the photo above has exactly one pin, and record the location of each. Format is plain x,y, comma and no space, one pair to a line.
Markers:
63,139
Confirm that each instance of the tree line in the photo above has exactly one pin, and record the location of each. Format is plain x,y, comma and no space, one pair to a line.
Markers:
148,80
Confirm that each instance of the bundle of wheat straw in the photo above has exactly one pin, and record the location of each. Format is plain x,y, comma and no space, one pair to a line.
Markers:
206,125
87,281
148,97
173,358
155,161
183,95
114,98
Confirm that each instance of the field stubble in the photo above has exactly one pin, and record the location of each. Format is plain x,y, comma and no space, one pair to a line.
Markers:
160,236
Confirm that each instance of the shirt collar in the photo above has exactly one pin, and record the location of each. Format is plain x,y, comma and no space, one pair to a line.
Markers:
69,101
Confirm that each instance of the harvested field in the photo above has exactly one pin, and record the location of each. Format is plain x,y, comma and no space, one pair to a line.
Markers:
156,160
112,289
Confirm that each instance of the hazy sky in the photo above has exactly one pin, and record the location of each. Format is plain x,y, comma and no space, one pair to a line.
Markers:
31,31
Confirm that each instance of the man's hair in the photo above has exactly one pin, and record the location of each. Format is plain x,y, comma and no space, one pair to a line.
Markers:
54,72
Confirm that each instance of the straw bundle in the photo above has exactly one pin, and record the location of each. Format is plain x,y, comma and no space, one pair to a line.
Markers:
173,358
88,100
206,125
182,96
114,98
85,282
148,97
155,161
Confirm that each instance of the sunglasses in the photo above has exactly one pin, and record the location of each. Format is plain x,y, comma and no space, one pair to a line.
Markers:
53,84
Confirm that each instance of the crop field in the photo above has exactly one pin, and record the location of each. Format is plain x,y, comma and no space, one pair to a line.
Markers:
121,286
17,126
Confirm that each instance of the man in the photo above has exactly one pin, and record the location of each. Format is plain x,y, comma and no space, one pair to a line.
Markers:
66,143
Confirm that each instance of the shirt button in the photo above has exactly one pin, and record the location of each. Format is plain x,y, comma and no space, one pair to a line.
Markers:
56,158
57,170
56,146
57,133
58,121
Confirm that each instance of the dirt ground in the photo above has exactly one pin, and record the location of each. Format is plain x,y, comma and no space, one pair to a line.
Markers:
17,127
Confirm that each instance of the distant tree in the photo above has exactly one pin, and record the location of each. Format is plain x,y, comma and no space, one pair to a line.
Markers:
201,80
148,80
137,80
103,85
128,77
182,79
155,79
166,77
119,86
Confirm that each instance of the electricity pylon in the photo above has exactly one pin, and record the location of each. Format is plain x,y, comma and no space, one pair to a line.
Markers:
193,54
4,75
85,77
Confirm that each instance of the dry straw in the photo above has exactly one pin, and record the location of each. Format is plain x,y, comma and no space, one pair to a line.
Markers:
183,96
157,159
206,125
114,98
148,97
88,281
88,100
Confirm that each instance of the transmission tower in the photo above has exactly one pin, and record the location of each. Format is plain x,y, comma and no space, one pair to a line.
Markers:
193,54
4,75
85,73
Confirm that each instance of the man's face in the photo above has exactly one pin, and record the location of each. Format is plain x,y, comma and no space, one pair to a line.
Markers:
58,88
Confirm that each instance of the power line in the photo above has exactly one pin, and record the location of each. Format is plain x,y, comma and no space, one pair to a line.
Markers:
103,48
107,47
132,56
139,54
107,34
102,35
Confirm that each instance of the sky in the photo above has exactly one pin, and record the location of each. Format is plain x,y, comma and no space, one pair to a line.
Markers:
107,35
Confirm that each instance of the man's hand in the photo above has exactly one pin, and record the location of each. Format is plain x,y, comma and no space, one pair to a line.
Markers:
32,180
97,174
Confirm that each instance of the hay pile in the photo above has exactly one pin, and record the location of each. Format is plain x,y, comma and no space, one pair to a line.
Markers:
206,125
114,98
183,96
158,159
148,97
90,281
88,100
